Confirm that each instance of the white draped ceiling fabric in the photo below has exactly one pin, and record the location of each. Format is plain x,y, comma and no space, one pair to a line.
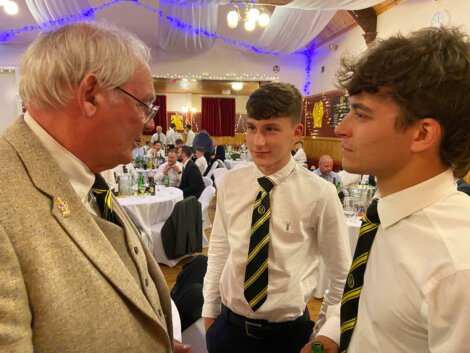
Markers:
44,11
292,26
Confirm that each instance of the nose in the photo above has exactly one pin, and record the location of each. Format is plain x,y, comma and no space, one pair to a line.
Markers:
258,139
342,129
149,126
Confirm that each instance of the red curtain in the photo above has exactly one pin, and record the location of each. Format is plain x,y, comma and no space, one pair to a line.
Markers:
218,116
160,118
227,116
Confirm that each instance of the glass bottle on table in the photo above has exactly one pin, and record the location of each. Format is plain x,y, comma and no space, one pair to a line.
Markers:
151,185
167,180
140,184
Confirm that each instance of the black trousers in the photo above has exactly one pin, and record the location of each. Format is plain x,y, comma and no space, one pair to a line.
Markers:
225,337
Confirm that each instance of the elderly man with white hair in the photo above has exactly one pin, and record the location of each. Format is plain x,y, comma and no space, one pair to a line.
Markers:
158,136
74,273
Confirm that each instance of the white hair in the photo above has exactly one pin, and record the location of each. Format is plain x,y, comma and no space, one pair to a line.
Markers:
57,61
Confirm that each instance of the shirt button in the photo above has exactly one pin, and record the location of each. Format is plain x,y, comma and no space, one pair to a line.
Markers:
146,282
136,249
159,313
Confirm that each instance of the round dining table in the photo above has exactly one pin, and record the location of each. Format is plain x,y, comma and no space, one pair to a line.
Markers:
148,210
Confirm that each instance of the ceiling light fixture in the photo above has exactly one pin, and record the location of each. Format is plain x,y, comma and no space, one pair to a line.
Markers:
250,17
10,7
236,86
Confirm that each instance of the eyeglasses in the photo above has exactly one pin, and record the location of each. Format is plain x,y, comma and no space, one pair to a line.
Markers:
152,109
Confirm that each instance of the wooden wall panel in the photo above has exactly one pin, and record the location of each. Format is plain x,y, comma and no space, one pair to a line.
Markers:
316,147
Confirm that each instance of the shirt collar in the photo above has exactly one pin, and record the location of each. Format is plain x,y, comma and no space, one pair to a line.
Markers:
404,203
281,175
78,174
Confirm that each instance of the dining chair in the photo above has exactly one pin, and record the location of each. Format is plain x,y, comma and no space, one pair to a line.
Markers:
179,236
211,171
207,181
218,175
221,164
205,200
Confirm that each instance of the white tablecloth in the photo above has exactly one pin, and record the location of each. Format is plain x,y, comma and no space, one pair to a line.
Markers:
231,164
322,280
148,210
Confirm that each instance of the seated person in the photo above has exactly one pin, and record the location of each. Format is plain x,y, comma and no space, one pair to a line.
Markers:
300,157
191,179
138,151
219,152
201,161
325,170
156,151
178,143
173,168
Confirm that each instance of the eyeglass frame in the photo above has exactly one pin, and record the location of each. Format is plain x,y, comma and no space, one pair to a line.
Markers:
152,108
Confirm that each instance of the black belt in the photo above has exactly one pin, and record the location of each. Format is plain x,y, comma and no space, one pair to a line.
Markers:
262,328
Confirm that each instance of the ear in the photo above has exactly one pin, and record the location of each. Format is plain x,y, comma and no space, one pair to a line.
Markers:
87,94
298,130
426,136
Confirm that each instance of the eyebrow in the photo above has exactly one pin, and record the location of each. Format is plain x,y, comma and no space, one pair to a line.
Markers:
360,106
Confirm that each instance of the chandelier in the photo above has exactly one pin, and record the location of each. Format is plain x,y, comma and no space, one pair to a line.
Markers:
251,16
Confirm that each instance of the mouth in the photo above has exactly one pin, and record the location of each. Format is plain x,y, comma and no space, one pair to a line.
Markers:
346,149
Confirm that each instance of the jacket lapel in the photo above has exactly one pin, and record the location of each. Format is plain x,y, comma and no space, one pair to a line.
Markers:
72,215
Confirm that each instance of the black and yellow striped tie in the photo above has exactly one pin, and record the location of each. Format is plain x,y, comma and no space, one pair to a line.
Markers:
103,198
256,275
355,280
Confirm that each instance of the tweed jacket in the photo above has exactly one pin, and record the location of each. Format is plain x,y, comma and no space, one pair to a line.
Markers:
63,287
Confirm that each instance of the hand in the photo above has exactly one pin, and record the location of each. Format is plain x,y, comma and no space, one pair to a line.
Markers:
179,347
329,345
208,321
166,169
176,168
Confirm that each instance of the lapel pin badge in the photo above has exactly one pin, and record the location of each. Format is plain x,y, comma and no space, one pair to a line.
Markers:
63,207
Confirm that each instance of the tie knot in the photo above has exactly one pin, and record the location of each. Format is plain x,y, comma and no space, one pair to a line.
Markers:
266,183
100,183
372,213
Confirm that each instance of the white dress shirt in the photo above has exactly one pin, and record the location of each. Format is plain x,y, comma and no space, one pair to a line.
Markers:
307,222
175,178
158,136
156,154
170,136
190,138
201,163
416,296
79,175
300,157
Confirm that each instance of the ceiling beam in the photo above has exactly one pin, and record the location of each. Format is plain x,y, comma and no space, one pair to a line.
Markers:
367,19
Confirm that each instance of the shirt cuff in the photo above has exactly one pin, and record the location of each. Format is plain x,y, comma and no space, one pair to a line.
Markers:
211,310
330,329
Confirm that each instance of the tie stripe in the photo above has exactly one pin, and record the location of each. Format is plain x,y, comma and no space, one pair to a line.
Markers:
258,247
103,196
256,273
355,280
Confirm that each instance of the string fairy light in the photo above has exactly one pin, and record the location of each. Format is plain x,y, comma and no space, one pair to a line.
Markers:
88,14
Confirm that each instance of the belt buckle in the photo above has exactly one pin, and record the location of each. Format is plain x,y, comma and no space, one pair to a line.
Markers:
249,325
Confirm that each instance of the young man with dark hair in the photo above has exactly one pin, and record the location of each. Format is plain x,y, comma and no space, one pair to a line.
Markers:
191,179
171,136
190,135
300,157
274,221
201,161
407,126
